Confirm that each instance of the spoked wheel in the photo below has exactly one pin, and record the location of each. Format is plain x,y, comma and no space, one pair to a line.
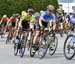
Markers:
53,45
68,47
7,40
43,47
15,49
23,46
32,53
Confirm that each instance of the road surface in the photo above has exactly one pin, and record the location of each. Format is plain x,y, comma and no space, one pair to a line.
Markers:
7,55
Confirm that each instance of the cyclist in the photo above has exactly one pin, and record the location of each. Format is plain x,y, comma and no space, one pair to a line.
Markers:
72,20
13,25
27,19
67,22
60,19
47,17
3,22
37,16
36,26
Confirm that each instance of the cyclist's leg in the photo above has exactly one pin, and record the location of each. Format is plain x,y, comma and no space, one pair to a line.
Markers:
61,26
36,34
35,37
53,24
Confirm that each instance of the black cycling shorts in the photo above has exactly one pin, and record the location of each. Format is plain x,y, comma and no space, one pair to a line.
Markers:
3,24
45,24
60,19
13,24
25,25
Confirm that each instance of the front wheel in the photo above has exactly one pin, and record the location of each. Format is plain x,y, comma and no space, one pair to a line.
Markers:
15,49
43,47
53,45
31,51
68,47
23,46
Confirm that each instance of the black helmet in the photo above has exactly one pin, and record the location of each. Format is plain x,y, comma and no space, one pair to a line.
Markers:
30,11
16,15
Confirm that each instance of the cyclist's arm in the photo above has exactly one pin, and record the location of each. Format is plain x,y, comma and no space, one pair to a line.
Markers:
40,22
9,20
16,23
20,22
41,18
1,20
32,20
53,19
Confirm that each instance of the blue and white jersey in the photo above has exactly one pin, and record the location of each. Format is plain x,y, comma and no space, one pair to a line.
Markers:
72,20
46,18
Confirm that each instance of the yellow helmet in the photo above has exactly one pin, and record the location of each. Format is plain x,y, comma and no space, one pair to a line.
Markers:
23,13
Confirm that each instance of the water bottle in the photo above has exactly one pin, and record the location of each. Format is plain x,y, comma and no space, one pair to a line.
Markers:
17,41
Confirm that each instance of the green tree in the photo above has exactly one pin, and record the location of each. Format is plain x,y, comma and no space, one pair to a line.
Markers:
10,7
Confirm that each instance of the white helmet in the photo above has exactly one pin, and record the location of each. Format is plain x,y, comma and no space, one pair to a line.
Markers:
59,10
4,16
37,14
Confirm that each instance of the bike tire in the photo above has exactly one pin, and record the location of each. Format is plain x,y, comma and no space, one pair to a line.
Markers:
69,58
15,49
45,50
32,53
23,45
55,46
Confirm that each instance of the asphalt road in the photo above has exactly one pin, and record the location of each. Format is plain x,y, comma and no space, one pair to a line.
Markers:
7,55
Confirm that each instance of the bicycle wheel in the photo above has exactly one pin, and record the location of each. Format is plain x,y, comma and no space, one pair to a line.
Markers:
31,52
53,45
43,47
15,49
7,40
68,47
23,46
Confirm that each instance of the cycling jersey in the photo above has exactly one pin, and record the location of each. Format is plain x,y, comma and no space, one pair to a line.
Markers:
60,19
5,20
28,18
72,20
13,20
46,18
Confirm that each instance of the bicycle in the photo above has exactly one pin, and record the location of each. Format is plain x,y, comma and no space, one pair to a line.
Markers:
20,43
49,42
10,35
69,46
43,44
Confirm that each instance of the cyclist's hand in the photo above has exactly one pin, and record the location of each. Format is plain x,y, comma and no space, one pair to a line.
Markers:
42,27
50,26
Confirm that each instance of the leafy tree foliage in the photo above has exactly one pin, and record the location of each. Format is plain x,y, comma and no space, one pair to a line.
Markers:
10,7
